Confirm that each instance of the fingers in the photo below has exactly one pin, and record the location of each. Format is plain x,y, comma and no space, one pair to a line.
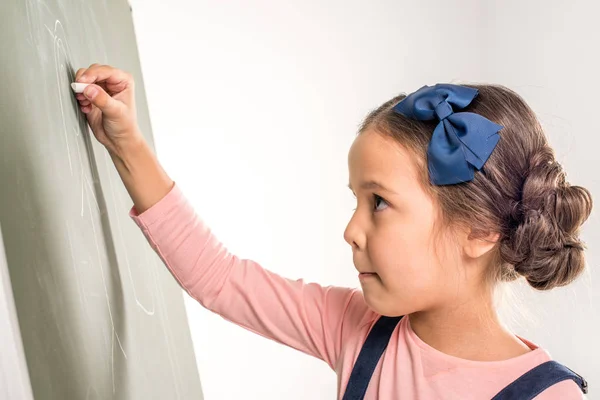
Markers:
115,80
96,96
81,71
105,81
84,104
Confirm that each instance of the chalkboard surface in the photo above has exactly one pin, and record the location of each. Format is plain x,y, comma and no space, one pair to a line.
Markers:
100,317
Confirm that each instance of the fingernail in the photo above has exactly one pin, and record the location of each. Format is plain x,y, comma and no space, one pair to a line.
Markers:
82,78
90,92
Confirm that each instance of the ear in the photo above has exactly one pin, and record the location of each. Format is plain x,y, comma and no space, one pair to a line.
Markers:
475,248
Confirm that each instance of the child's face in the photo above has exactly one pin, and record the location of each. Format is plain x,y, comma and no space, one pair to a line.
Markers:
391,231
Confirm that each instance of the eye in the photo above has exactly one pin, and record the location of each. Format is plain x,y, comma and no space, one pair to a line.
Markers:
379,200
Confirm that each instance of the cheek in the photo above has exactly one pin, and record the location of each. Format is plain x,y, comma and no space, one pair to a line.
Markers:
406,263
408,266
410,281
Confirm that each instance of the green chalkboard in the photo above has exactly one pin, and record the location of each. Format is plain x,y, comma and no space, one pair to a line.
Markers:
100,317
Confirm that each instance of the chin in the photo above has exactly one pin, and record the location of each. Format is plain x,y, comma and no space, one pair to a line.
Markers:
379,304
382,304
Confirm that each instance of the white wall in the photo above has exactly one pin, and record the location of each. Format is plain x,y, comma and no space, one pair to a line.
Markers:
548,51
254,106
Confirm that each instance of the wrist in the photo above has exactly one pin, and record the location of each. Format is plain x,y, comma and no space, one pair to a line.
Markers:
143,176
132,151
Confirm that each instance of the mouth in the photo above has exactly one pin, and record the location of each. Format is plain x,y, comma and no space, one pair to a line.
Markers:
367,275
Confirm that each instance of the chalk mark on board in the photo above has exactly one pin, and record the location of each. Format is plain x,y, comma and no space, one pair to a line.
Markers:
122,240
112,359
87,189
49,30
102,274
70,239
83,297
80,169
89,185
61,48
87,393
165,315
84,179
59,66
31,9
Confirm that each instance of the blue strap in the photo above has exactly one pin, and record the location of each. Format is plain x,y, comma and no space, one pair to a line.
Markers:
526,387
376,342
538,379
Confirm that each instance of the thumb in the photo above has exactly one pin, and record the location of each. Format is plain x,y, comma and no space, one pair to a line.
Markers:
98,97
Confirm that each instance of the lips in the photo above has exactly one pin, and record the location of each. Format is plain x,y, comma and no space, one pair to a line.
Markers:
366,275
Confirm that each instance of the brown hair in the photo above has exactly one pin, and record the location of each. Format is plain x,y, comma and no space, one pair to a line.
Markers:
521,192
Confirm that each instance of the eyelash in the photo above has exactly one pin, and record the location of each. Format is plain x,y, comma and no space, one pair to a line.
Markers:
375,197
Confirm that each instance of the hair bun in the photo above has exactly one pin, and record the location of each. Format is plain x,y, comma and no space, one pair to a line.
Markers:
545,247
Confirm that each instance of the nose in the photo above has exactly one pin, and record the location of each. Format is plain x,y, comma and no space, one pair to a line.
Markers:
354,235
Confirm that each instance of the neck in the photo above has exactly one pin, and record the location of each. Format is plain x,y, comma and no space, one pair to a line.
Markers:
468,329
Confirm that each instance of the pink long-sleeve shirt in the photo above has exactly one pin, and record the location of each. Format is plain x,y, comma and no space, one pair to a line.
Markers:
330,323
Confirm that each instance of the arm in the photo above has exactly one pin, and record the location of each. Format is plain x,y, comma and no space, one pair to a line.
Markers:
143,176
306,316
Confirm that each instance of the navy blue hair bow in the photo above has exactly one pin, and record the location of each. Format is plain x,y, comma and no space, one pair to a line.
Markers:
462,141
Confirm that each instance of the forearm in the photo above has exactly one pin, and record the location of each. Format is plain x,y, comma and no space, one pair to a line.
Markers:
306,316
141,173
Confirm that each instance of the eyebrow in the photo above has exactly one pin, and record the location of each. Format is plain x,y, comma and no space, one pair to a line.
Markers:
372,185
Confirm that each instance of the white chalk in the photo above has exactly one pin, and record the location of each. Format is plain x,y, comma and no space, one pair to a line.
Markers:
79,87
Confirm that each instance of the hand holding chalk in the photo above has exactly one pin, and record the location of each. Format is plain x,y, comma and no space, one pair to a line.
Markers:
108,102
79,87
106,96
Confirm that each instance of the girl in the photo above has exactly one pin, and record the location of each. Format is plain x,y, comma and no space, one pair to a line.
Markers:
434,231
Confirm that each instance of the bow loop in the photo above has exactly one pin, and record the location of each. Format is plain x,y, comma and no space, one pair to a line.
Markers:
462,141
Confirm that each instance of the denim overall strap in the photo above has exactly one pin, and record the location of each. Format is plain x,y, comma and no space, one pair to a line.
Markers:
369,356
538,379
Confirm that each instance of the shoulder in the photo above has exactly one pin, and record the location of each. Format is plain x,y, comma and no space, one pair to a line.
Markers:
565,390
526,369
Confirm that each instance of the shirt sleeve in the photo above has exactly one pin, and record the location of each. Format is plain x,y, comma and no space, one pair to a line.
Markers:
306,316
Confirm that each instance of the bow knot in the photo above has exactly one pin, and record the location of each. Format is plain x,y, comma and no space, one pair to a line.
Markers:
462,141
443,110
